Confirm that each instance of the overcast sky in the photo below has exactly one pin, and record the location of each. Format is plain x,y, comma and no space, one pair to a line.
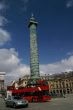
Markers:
54,32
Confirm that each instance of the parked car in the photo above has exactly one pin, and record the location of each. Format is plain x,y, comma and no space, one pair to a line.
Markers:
15,101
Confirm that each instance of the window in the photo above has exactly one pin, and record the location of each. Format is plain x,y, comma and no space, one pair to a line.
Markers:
68,91
61,91
67,85
57,85
54,91
16,97
57,91
64,91
63,84
72,84
25,82
46,93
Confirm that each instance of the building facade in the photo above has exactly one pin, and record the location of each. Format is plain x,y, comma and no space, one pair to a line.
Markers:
61,84
2,74
58,83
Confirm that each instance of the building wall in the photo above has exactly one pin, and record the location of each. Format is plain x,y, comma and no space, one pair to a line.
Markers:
61,84
1,84
2,74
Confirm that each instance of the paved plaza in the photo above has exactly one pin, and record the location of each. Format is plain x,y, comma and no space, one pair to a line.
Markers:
54,104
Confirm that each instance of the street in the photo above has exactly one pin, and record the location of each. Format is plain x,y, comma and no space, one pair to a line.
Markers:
54,104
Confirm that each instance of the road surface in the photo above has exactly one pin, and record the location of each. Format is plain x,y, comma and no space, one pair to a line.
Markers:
54,104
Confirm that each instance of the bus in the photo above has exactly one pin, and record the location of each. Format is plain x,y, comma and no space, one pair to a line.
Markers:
34,92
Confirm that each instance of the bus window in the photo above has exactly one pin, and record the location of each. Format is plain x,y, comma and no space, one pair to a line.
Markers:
46,93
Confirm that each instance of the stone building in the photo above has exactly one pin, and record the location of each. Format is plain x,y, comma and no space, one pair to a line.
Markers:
61,84
2,74
21,82
58,83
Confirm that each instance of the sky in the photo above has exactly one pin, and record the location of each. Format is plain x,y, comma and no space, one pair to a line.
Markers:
54,34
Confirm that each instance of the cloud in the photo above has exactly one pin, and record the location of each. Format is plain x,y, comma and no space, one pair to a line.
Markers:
14,68
4,34
65,65
69,3
11,64
70,53
4,37
3,21
3,5
18,72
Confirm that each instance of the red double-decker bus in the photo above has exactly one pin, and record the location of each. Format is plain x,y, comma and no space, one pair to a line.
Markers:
37,92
